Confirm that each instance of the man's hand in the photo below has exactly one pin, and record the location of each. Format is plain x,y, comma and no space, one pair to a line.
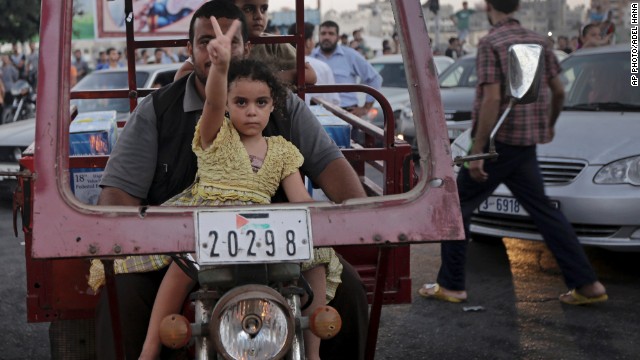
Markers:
476,170
219,48
359,111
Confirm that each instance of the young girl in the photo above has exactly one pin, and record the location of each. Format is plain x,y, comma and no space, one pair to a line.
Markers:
237,165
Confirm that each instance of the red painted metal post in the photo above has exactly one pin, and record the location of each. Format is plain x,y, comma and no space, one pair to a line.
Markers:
376,306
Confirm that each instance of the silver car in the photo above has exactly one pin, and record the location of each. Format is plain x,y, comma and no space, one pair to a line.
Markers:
591,169
394,83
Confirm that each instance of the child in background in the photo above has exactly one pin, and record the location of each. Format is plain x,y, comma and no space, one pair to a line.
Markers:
237,165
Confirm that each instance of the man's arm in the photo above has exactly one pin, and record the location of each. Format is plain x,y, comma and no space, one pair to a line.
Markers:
487,117
340,182
114,196
557,100
369,76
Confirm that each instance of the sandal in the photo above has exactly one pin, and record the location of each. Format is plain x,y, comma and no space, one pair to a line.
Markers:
575,298
433,291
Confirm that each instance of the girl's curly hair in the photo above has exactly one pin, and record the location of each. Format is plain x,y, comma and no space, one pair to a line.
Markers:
259,71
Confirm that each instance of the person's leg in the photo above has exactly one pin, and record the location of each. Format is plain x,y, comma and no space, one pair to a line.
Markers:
351,303
471,194
136,294
527,186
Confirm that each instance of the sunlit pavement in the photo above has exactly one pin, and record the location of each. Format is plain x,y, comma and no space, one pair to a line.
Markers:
516,283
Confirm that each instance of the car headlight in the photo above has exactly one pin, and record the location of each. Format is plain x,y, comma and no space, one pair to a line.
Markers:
17,154
252,322
407,112
372,114
625,171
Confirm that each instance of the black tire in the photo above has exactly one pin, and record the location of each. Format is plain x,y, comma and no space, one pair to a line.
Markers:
486,239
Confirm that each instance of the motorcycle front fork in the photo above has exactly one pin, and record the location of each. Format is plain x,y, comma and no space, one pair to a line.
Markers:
204,346
18,109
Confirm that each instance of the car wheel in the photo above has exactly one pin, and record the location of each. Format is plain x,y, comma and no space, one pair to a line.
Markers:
486,239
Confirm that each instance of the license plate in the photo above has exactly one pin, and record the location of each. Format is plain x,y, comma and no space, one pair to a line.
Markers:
502,205
252,236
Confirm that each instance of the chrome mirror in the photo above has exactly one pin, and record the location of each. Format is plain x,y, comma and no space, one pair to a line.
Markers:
525,70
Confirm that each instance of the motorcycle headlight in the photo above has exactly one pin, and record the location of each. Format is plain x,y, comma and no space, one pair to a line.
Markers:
252,322
625,171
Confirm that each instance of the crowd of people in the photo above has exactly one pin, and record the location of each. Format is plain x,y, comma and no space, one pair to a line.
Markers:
598,30
18,65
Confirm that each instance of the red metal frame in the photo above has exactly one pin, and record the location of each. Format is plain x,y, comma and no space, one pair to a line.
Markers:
428,213
61,232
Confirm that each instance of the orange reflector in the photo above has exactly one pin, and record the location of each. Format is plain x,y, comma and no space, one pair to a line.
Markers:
175,331
325,322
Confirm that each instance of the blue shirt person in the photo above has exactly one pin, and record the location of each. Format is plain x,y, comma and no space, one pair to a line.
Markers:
347,66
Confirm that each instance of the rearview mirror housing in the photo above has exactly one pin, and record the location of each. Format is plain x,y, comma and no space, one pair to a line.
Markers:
525,69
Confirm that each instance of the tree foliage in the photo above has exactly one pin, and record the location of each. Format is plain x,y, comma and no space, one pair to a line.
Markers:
20,20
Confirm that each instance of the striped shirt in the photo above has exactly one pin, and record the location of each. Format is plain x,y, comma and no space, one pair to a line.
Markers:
526,124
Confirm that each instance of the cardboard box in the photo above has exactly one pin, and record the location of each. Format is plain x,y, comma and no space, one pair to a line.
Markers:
92,133
338,129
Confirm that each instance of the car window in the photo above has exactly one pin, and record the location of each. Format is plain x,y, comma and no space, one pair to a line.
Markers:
109,80
106,80
460,74
393,74
599,79
163,78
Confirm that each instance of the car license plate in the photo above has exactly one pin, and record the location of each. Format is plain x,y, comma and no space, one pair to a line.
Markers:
502,205
252,236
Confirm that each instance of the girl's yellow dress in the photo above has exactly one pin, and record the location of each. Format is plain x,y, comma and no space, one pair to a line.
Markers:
228,176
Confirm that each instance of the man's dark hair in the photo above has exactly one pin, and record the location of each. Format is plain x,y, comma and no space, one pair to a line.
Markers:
308,30
109,50
220,9
452,40
332,24
505,6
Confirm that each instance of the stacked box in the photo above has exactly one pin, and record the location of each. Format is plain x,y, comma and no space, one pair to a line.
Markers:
338,129
91,133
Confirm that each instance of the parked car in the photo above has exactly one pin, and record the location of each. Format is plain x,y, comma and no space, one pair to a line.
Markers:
457,90
591,169
394,83
147,76
16,137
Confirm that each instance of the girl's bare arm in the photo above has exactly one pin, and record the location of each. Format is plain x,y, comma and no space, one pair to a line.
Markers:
219,50
173,290
294,188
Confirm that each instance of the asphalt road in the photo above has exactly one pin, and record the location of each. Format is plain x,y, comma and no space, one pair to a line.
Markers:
516,283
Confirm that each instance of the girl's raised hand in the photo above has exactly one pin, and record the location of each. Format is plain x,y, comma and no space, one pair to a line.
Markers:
219,48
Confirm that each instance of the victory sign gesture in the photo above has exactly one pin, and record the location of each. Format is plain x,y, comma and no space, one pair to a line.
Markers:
219,50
